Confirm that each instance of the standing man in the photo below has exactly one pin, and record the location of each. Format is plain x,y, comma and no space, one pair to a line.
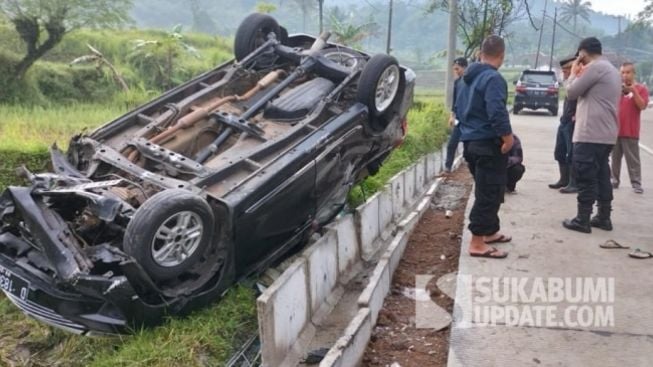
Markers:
487,136
459,66
634,99
597,86
563,149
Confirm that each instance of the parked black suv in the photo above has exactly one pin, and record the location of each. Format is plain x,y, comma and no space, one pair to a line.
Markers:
536,89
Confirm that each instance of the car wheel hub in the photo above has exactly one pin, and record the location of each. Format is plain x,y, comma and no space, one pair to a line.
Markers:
386,88
177,239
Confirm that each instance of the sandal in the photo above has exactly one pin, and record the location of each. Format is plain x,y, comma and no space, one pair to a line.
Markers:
612,244
500,239
489,253
639,254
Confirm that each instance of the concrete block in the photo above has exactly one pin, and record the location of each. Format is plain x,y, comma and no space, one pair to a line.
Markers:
367,224
434,187
385,213
348,248
395,251
322,264
443,154
376,290
439,163
283,312
409,186
409,223
431,166
423,206
348,351
420,176
398,201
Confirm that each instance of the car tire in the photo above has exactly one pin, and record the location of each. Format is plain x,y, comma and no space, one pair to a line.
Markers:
170,222
381,71
252,33
554,111
515,111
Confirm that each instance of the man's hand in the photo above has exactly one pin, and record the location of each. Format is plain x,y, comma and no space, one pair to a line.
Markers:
452,119
628,88
508,141
577,67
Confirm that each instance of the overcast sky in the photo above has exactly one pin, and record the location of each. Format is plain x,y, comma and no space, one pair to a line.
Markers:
618,7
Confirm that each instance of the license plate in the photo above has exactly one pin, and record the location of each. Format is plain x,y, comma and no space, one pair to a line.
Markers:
11,283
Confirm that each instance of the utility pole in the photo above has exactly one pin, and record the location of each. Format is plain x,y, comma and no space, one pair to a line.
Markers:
389,42
451,51
321,12
539,42
553,38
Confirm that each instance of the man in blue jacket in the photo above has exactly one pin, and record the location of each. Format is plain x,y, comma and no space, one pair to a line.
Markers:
487,137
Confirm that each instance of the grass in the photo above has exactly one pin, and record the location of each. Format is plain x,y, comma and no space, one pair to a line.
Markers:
205,338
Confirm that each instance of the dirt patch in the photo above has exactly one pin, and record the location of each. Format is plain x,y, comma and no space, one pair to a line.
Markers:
433,249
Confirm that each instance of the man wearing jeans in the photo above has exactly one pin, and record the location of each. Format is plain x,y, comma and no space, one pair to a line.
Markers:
597,86
487,136
634,99
459,66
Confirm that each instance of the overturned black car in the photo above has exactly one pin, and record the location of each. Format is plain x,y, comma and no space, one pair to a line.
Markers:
159,211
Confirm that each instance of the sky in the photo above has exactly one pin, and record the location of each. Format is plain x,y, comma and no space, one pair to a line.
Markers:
618,7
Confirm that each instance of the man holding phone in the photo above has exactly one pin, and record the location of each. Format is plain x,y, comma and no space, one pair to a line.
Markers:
634,99
487,137
596,84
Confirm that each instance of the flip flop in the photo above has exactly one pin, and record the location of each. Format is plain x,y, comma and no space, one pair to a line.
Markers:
489,253
500,239
639,254
612,244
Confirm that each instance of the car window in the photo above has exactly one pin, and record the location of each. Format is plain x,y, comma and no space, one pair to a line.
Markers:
538,79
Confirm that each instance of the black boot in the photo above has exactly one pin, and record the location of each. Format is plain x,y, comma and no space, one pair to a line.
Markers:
571,187
564,177
602,219
582,221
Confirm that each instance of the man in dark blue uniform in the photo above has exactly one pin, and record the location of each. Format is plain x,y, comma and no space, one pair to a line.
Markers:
459,66
487,136
564,146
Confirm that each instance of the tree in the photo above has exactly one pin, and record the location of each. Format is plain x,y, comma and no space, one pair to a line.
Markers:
479,19
160,56
645,15
572,9
31,18
266,8
202,22
100,61
350,34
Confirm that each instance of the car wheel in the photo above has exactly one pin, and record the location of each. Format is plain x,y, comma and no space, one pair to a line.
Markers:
515,111
253,32
169,233
379,88
554,111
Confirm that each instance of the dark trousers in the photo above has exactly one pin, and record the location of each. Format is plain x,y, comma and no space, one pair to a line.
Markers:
489,168
452,145
563,152
515,174
592,173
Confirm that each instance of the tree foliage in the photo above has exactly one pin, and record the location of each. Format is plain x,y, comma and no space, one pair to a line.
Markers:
573,9
479,19
55,18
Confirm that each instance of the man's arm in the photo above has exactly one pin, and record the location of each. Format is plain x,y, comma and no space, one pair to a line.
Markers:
640,96
578,85
496,95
